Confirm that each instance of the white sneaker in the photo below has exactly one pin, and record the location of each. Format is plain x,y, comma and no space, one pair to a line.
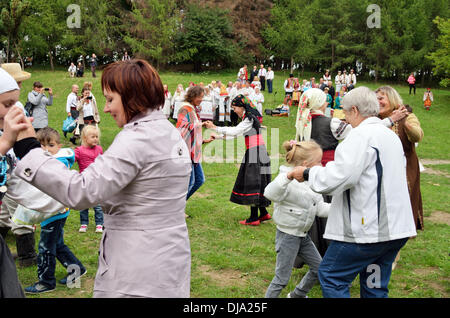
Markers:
290,296
83,228
99,229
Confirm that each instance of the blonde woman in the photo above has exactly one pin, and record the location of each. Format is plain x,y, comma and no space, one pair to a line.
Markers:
410,132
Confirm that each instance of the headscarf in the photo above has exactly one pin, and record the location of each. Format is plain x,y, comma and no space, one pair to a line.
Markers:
7,82
250,110
310,102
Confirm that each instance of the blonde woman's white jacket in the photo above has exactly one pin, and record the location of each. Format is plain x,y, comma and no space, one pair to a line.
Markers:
367,180
295,204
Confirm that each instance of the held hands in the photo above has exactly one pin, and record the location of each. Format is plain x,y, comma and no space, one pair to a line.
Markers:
211,138
297,174
399,114
16,127
209,124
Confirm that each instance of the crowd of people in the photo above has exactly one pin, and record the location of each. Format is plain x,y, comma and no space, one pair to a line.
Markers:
216,102
348,197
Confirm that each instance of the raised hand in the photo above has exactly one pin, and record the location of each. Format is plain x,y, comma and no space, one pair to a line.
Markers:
14,123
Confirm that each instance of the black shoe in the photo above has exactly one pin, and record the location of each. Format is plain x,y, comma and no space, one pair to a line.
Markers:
73,140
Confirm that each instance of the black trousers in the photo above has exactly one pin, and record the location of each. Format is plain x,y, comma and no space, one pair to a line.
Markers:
262,79
411,86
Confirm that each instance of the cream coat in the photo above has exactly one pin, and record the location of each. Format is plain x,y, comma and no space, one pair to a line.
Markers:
141,182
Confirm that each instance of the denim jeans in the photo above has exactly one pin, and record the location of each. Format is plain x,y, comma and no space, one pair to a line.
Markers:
52,247
197,179
344,261
270,86
288,247
98,215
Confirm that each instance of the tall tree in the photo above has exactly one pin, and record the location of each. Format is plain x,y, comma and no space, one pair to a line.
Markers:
205,37
47,27
441,57
11,19
289,32
152,33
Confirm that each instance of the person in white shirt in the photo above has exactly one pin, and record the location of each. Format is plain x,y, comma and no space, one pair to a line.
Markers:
327,76
242,74
288,89
207,105
256,82
351,80
167,101
345,79
370,217
72,101
295,207
126,57
177,100
257,99
262,77
72,70
338,81
269,77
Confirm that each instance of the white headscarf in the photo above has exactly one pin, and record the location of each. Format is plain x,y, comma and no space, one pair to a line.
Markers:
310,102
7,82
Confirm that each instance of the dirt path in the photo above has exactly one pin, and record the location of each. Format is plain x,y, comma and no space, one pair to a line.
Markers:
434,162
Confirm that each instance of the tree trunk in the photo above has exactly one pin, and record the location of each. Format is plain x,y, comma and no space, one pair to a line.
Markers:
20,57
51,61
7,51
332,49
422,72
292,64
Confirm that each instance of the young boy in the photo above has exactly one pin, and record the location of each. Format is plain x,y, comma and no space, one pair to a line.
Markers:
51,244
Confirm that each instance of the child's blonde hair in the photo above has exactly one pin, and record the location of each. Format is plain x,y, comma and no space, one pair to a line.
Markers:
86,130
298,152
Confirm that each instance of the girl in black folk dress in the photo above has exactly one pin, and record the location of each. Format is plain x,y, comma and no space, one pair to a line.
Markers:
254,174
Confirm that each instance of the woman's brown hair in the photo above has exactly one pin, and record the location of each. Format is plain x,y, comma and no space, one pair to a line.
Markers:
138,84
192,93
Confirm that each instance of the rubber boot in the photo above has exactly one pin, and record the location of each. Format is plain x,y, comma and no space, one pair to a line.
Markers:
26,250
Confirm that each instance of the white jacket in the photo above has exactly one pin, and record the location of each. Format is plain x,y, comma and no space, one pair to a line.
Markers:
368,183
295,204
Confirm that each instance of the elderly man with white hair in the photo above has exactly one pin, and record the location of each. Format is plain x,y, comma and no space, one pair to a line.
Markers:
370,217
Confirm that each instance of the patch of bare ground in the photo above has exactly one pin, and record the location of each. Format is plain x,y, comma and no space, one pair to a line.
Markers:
429,170
435,285
224,277
434,162
439,217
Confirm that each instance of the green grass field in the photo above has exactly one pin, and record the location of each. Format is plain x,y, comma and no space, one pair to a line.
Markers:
230,260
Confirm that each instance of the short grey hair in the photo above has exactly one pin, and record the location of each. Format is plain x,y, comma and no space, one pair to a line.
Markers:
363,98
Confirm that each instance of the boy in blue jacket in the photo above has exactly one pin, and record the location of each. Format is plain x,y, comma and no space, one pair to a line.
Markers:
51,244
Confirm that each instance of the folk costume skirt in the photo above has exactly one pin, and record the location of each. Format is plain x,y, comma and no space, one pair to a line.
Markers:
253,177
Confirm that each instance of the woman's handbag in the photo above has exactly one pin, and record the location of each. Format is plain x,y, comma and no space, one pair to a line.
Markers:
69,125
